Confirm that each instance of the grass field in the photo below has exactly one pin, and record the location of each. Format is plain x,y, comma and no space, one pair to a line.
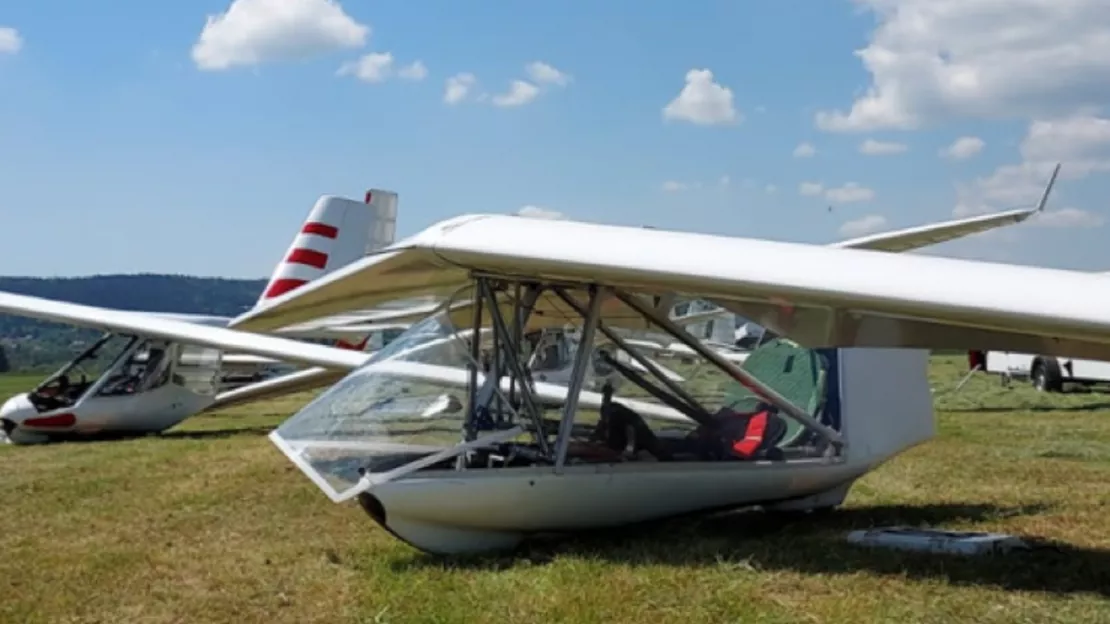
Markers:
209,523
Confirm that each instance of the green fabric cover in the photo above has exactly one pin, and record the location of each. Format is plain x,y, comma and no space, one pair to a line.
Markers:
795,372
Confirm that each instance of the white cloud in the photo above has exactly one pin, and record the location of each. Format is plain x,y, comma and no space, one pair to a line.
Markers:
1080,142
458,87
846,194
770,189
1009,186
702,101
932,60
251,32
374,67
1066,218
10,40
804,150
672,186
963,147
539,212
378,67
519,94
849,193
811,189
1042,61
724,181
542,73
862,226
415,70
522,92
872,147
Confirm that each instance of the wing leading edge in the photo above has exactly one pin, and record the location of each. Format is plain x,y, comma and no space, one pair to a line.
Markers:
820,295
912,238
192,333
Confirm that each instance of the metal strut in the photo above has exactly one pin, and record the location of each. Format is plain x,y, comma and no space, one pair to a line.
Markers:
578,374
526,302
511,350
636,355
738,373
469,430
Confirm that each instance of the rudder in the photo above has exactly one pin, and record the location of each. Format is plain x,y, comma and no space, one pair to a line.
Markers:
337,232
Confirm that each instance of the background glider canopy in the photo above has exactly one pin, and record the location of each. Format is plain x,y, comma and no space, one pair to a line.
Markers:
818,295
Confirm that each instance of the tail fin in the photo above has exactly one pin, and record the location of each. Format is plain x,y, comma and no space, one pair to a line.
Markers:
338,231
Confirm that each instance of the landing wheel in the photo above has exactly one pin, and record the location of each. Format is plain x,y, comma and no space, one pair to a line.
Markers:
1046,376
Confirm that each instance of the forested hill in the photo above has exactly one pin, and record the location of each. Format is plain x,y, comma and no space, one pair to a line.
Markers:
35,344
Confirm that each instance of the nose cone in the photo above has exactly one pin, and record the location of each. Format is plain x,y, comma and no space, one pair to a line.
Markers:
16,409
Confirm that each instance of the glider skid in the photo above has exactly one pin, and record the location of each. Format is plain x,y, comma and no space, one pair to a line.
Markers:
389,434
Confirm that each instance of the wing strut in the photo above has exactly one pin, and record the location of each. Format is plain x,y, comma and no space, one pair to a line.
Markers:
692,403
510,352
578,374
738,373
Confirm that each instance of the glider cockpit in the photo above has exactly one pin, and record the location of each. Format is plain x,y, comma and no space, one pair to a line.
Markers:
120,365
121,383
380,424
71,382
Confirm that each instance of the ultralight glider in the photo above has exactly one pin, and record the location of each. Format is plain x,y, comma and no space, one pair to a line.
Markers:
453,452
128,383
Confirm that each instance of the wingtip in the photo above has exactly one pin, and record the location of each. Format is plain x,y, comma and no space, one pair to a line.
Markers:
1048,188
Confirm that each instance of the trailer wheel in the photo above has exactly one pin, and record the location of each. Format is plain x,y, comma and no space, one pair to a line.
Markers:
1046,376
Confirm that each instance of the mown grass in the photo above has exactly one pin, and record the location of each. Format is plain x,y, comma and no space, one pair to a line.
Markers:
209,523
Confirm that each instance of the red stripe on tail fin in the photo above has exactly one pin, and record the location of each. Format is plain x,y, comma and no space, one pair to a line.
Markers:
308,257
282,286
320,229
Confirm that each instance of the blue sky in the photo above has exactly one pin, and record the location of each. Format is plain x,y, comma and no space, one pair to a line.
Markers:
127,148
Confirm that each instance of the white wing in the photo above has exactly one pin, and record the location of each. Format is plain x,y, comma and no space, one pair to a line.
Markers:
152,326
935,233
819,295
354,325
282,385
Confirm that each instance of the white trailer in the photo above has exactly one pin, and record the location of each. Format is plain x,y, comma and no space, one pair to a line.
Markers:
1047,373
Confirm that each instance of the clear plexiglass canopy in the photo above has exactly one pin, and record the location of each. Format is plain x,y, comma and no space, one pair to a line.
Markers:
405,403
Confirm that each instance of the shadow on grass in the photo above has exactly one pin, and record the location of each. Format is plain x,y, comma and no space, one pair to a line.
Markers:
177,434
817,545
1086,407
208,434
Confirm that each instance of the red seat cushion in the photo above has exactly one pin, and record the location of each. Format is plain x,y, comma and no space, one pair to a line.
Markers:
753,435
